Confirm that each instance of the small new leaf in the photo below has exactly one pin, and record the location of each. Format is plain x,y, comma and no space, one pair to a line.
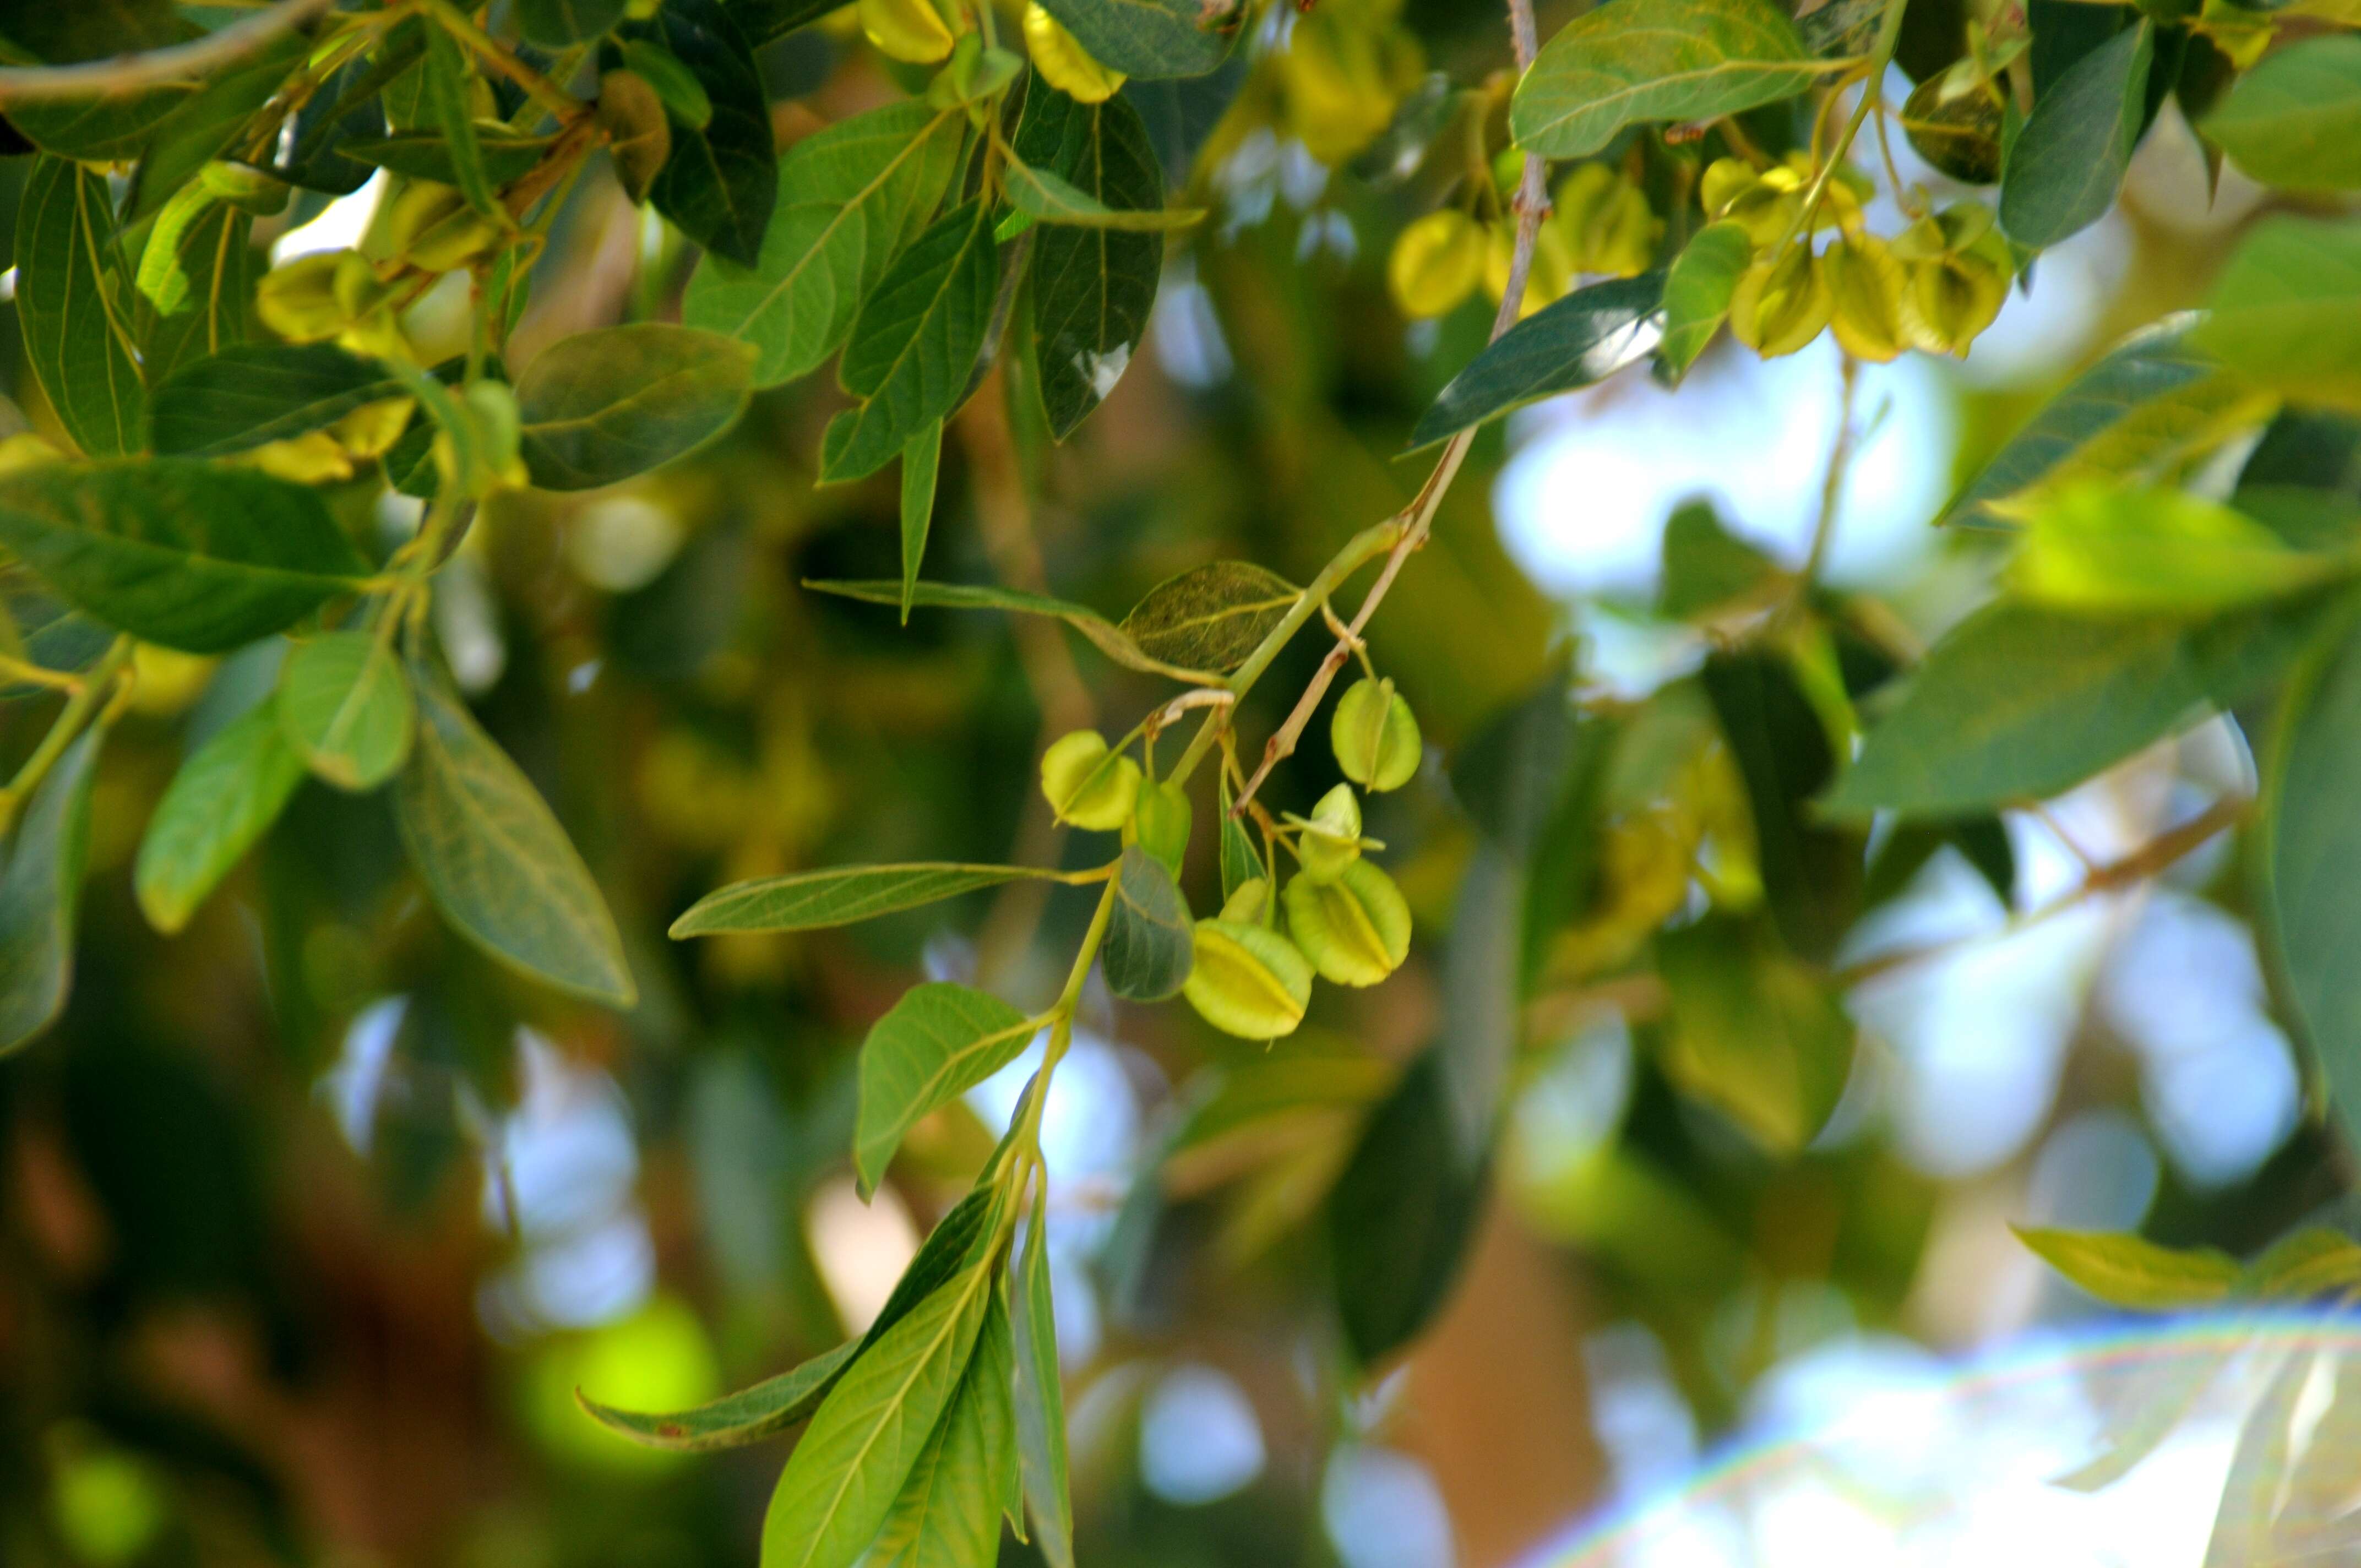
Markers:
2126,1271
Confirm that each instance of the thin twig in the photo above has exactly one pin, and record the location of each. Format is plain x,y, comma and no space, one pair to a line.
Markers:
71,719
129,72
1832,485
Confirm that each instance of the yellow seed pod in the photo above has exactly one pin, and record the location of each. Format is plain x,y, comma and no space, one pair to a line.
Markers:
1343,74
1553,269
1374,736
1946,302
1865,284
1249,902
1248,980
417,206
371,430
26,450
1608,226
310,458
909,30
1087,786
1763,203
167,679
299,302
1063,62
453,241
1331,836
1436,263
1781,302
1356,929
1160,823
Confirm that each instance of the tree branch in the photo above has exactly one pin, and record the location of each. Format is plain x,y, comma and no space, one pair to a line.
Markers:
129,72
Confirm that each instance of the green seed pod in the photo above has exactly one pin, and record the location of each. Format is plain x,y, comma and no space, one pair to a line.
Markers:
1248,980
1954,122
1249,902
1374,736
1087,786
1161,822
453,241
1781,302
416,207
1330,838
1356,929
299,302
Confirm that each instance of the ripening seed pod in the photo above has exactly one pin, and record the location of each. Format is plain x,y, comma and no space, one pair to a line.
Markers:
1331,836
1086,785
310,458
1374,736
167,680
1436,263
1343,74
1161,822
908,30
1248,980
298,301
1958,272
370,429
1781,302
453,241
1608,226
1249,902
416,207
1553,269
1354,929
1063,62
1865,284
1953,120
1764,202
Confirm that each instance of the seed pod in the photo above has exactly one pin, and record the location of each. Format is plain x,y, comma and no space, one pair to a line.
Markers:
1436,263
1248,980
1953,120
1608,224
1865,285
639,133
1763,203
1087,786
1781,302
371,430
1063,62
453,241
358,288
910,30
1356,929
1344,75
298,300
1249,902
1958,272
1374,736
416,207
1330,838
1162,821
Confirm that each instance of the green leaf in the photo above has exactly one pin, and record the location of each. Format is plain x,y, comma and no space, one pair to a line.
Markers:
215,255
501,155
2294,121
347,105
1147,38
1040,1395
2126,1271
344,705
1402,1214
1706,565
1631,61
554,24
450,85
495,860
1812,874
919,459
41,887
1311,1076
1241,861
722,179
914,343
1570,342
1697,287
1212,617
1103,634
2102,549
1051,198
947,1515
767,21
804,901
2153,402
1754,1034
735,1419
67,297
2019,703
849,199
938,1042
1149,944
210,123
840,1483
2287,309
111,127
255,393
1091,292
175,551
225,797
2063,169
2312,850
603,405
2308,1263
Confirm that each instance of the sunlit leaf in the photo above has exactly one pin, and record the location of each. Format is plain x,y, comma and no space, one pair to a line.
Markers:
1571,343
68,300
2063,169
1697,287
1040,1395
225,797
1631,61
938,1041
2126,1271
2287,309
913,343
806,900
1212,617
2294,121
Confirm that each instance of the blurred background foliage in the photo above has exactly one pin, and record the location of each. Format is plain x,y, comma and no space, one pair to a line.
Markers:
314,1220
